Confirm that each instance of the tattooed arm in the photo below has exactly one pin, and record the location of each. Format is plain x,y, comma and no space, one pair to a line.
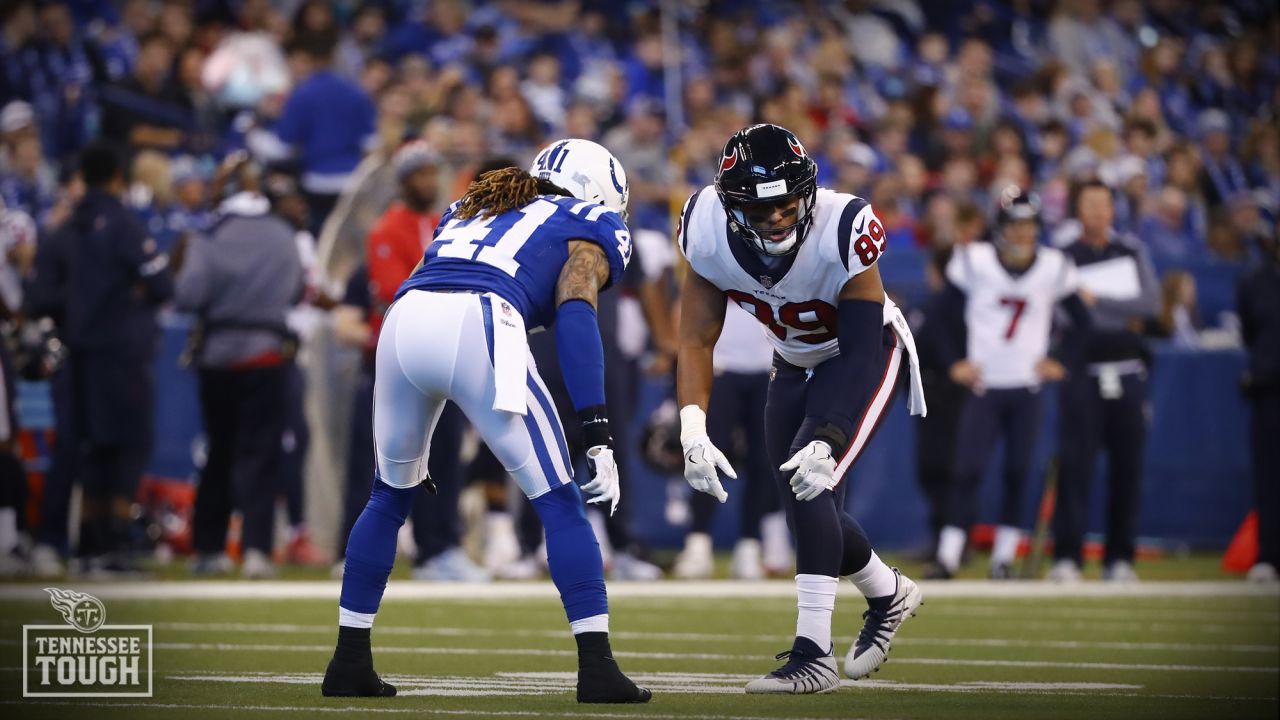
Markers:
581,354
583,274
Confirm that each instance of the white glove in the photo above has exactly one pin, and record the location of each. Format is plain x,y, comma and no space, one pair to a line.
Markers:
604,478
815,469
701,457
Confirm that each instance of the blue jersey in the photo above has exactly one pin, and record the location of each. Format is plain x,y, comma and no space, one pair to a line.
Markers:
519,254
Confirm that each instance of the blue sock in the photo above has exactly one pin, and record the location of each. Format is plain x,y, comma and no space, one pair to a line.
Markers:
371,549
573,553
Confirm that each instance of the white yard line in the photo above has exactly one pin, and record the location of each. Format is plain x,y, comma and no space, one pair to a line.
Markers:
542,683
416,650
429,631
379,706
410,590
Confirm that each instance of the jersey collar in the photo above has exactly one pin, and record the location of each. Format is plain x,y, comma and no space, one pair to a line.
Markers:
767,272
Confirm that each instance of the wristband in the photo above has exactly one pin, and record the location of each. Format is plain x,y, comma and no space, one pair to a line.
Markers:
595,427
693,422
832,435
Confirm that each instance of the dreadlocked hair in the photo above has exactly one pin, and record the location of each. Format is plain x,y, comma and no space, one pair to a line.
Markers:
499,191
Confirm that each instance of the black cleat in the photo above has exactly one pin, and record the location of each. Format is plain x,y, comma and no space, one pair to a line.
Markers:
600,681
343,679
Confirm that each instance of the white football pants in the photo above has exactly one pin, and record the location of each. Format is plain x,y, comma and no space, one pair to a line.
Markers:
435,347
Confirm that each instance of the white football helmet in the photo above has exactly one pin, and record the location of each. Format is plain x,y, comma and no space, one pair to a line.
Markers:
586,170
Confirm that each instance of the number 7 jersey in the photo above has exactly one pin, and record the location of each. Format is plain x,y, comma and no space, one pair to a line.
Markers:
797,301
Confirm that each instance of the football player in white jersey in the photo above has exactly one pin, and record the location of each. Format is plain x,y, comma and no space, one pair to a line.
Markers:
801,259
1010,289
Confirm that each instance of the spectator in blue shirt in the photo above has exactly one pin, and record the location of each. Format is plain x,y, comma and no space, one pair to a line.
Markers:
328,122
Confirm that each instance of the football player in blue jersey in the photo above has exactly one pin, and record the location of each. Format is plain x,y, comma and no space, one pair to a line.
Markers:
519,250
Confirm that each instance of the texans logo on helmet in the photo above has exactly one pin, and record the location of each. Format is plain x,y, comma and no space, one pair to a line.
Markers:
729,160
796,147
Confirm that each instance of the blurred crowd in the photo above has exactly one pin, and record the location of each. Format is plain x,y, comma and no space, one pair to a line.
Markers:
928,109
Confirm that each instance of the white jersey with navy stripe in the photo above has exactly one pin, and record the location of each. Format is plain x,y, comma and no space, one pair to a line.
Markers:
1009,316
797,309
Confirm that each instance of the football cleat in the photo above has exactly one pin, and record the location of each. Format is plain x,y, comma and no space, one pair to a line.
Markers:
871,649
1065,571
807,671
1002,571
1120,572
601,681
695,562
354,679
746,563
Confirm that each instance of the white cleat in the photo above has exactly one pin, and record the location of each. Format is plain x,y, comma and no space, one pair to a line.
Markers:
746,561
46,562
1120,572
452,565
257,565
629,567
695,561
1262,573
526,568
501,546
805,673
1066,572
871,649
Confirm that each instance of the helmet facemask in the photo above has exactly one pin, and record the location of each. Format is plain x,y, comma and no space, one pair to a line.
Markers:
748,219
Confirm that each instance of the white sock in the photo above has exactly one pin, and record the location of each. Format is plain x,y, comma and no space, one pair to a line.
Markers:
775,541
816,600
1005,550
951,546
875,579
595,623
350,618
8,529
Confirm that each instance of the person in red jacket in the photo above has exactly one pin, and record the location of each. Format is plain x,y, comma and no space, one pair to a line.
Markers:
400,236
395,248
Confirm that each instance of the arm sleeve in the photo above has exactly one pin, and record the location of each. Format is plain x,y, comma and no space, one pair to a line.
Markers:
581,353
845,393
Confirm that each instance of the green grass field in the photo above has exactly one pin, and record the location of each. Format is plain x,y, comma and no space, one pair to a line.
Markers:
239,650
